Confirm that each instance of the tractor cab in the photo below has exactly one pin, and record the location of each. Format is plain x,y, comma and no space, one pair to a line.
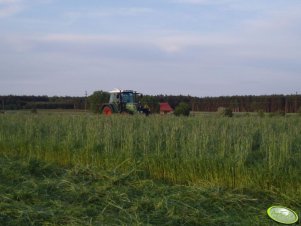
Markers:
123,101
127,96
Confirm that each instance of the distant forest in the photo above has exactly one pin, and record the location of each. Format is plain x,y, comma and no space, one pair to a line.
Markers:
268,103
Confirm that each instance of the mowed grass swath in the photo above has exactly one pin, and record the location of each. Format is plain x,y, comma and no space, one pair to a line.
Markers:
242,152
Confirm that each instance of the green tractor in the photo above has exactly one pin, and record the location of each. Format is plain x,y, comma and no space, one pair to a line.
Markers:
124,102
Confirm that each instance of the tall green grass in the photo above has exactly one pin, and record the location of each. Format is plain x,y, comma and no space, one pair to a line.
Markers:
245,152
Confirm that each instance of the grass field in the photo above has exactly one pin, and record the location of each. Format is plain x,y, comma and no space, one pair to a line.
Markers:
83,169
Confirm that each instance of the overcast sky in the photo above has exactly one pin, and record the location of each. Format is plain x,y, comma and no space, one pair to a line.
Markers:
195,47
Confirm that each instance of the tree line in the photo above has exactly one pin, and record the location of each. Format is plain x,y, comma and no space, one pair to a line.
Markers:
13,102
265,103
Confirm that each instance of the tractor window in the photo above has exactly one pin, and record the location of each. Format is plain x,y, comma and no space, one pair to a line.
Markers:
127,97
113,98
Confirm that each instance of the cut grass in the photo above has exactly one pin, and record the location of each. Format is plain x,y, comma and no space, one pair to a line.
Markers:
38,193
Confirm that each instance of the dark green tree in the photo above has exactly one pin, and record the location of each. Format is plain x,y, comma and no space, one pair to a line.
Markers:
97,99
182,109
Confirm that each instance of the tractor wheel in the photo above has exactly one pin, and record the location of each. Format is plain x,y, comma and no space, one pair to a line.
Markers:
107,111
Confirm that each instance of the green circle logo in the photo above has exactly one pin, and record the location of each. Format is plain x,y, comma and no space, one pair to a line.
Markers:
282,215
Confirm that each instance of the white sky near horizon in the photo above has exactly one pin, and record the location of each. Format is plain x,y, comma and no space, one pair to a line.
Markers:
188,47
